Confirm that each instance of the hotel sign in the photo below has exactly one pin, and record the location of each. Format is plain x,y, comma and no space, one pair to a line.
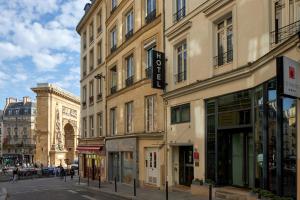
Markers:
158,70
288,77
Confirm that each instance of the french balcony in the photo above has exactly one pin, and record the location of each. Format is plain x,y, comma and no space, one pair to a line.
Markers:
284,33
150,16
129,81
129,34
223,59
91,100
181,76
113,48
148,72
179,15
113,89
99,96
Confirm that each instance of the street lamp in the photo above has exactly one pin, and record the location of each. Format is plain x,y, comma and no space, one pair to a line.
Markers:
99,76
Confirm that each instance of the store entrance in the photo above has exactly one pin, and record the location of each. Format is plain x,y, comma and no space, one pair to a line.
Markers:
186,165
234,155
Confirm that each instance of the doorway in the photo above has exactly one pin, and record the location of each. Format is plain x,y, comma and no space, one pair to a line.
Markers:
152,166
234,157
186,165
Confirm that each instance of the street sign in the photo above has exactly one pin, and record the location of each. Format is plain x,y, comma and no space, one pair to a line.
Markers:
158,70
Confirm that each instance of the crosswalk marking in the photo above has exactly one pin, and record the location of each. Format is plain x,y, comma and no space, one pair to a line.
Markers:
88,197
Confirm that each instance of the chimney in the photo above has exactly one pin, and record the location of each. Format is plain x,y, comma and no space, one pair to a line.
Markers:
10,100
26,99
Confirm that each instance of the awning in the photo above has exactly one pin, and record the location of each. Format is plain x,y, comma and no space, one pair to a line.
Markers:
91,149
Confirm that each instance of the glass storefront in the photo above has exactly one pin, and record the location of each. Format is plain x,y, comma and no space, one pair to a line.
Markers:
248,133
94,164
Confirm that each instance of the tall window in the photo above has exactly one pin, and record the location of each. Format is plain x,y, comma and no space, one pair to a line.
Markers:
99,52
129,116
91,31
91,60
91,120
114,4
129,70
150,6
100,124
99,89
114,79
84,66
181,62
91,91
180,10
113,36
129,24
84,95
113,128
84,127
99,22
224,42
180,114
150,109
149,56
84,40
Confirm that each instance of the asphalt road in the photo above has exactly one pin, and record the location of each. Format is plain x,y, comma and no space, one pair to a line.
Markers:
52,189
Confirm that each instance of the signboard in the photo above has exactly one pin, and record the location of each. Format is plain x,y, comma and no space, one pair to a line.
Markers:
158,70
288,77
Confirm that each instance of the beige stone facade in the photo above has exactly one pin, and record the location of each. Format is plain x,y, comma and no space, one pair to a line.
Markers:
57,125
228,47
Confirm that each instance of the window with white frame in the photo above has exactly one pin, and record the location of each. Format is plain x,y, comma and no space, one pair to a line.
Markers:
99,22
149,112
224,42
114,79
99,52
99,88
129,71
84,95
114,4
100,124
129,23
84,127
84,40
180,10
91,120
113,38
181,68
91,31
91,60
129,116
91,92
150,6
113,120
84,66
149,60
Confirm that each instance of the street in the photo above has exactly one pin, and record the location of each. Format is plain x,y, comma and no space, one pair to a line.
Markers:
52,189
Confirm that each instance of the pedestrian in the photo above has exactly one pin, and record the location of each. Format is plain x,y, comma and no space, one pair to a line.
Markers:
72,172
15,174
62,172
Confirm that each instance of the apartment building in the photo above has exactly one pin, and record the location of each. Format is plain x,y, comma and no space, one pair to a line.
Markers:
18,136
227,120
1,135
91,147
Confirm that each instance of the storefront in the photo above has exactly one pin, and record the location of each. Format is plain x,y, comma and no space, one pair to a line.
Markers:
251,139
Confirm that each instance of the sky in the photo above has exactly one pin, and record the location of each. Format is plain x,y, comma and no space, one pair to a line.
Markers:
39,44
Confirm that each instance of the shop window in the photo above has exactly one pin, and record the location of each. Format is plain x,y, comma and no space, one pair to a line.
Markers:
180,114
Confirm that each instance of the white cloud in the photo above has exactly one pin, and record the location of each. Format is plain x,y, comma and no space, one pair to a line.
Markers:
47,62
10,51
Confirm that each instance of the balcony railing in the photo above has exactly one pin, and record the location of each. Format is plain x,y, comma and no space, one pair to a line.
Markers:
91,99
150,16
129,34
99,96
224,58
284,33
179,15
113,89
148,72
180,77
113,48
129,81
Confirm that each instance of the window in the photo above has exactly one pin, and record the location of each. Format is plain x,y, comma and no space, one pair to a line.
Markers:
114,79
99,22
114,4
113,130
91,120
129,24
113,37
180,114
99,89
129,71
84,96
91,32
100,124
91,60
149,57
129,116
180,10
84,126
84,66
91,91
150,108
99,52
224,42
84,40
181,62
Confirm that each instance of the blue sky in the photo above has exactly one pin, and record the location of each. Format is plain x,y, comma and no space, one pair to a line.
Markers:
38,44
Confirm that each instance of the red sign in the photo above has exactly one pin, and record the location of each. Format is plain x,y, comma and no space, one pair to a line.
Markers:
292,72
196,155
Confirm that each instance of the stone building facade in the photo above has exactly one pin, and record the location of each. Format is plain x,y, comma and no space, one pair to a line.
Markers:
57,125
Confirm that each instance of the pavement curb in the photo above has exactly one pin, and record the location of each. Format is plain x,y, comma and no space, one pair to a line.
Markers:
3,194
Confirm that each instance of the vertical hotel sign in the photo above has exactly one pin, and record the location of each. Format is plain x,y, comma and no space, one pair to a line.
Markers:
158,70
288,77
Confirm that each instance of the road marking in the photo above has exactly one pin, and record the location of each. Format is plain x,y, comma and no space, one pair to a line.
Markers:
74,192
88,197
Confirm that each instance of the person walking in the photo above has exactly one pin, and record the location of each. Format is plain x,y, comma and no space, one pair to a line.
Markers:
15,175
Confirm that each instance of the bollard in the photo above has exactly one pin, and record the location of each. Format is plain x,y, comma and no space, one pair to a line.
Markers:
99,181
116,184
210,191
88,177
79,180
134,188
65,177
167,191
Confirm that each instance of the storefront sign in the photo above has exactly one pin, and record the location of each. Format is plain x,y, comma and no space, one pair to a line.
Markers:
158,70
288,77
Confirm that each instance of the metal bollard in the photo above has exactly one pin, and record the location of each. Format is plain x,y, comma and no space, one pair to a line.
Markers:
79,180
65,177
99,181
167,191
134,188
210,192
116,189
88,178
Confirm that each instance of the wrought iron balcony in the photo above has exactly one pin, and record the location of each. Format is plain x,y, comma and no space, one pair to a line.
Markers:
179,15
113,48
180,77
129,81
224,58
148,72
284,33
150,16
129,34
113,89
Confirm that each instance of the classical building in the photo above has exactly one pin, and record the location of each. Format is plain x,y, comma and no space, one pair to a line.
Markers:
1,135
17,131
91,146
132,112
226,120
57,125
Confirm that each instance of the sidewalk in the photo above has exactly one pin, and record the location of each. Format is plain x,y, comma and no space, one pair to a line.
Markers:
3,194
126,191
